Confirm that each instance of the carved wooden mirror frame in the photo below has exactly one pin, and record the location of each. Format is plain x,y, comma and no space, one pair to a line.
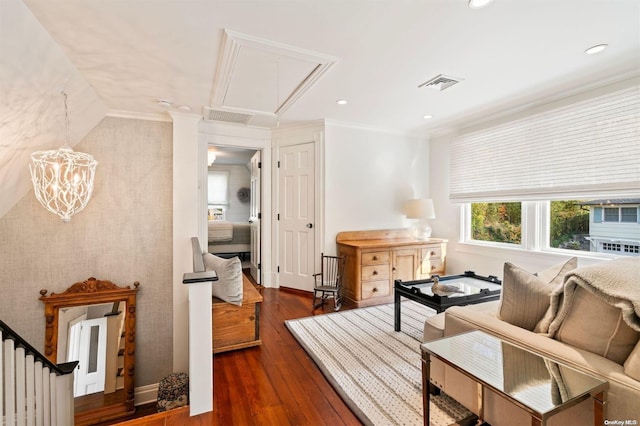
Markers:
93,292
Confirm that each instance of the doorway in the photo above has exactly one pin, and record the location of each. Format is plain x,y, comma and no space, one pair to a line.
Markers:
234,206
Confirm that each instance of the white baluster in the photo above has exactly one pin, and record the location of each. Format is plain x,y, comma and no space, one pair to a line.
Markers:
42,396
21,386
31,391
9,383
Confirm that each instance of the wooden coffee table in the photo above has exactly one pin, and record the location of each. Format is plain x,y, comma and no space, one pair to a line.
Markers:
493,364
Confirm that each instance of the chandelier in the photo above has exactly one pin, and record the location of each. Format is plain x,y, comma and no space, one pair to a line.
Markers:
62,178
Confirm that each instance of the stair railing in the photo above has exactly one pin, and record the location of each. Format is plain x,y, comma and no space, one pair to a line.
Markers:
33,390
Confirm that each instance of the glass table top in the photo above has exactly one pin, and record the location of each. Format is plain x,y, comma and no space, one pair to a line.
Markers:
466,286
539,383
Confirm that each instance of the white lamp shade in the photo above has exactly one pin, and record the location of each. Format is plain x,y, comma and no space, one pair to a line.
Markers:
420,208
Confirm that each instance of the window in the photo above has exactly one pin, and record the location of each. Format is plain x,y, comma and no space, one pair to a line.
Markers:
611,214
218,188
569,225
496,222
597,226
580,146
611,247
628,214
620,214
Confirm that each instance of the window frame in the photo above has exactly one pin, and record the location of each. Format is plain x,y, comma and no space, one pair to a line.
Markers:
535,236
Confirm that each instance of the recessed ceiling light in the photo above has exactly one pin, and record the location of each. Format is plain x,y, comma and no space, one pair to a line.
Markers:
342,102
478,4
184,108
427,116
165,103
596,49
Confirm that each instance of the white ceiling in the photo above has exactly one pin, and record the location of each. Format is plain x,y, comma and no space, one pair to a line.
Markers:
125,55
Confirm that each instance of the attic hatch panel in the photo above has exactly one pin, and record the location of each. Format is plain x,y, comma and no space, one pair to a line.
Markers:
258,76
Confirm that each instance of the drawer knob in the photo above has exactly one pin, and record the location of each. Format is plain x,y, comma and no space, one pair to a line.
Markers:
375,290
433,267
433,253
252,318
375,272
375,257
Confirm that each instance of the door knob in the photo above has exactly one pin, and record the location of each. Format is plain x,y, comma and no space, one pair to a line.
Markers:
309,225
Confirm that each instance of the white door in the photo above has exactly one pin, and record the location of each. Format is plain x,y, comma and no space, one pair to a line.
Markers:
254,216
296,211
92,351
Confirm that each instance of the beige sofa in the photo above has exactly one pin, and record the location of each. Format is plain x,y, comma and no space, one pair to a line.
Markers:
583,353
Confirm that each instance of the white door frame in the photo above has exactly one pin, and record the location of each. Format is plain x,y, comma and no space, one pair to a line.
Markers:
255,215
238,136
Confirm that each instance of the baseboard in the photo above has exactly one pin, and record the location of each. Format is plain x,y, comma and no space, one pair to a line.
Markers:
145,394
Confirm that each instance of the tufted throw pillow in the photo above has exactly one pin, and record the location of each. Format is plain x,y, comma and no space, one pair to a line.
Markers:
596,326
229,284
525,296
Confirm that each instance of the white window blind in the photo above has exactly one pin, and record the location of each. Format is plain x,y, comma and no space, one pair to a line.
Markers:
218,188
590,148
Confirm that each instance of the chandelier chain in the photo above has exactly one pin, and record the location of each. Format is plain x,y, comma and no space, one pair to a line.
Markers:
67,123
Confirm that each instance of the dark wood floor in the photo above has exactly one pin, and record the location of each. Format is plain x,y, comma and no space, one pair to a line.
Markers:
273,384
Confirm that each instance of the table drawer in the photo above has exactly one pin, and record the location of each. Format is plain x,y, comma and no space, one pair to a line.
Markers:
431,253
375,272
375,258
432,266
375,289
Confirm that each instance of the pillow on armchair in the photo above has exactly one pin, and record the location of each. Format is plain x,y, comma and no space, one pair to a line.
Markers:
525,297
229,284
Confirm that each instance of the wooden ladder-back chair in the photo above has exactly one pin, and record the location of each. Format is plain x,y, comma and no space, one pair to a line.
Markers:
328,283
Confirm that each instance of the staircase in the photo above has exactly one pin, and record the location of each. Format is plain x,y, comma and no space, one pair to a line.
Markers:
33,390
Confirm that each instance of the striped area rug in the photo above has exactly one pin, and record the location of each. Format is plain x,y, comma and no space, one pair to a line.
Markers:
376,370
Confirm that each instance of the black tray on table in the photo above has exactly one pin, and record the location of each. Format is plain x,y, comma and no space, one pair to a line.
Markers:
472,289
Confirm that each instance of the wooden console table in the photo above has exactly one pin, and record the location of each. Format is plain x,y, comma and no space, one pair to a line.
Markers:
374,259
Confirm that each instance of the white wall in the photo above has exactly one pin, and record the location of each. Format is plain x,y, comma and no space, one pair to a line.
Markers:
369,175
123,235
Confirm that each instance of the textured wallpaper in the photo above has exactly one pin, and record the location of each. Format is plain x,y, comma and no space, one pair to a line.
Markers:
123,235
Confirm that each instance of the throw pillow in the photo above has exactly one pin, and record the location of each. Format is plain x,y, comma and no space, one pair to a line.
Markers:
596,326
555,274
229,284
632,364
525,297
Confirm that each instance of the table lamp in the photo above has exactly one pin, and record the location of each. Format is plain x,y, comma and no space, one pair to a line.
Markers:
420,209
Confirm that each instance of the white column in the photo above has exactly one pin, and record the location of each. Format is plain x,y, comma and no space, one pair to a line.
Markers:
191,354
185,226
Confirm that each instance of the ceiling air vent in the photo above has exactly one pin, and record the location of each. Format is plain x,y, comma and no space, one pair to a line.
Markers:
440,82
226,116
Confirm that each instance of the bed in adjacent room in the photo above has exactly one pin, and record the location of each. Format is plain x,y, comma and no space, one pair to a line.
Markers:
229,237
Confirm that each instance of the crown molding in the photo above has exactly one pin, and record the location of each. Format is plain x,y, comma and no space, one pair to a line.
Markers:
359,126
138,115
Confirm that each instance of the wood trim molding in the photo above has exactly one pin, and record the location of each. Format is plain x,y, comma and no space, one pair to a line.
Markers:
234,41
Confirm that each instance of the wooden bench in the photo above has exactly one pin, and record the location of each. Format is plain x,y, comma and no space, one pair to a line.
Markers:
237,327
